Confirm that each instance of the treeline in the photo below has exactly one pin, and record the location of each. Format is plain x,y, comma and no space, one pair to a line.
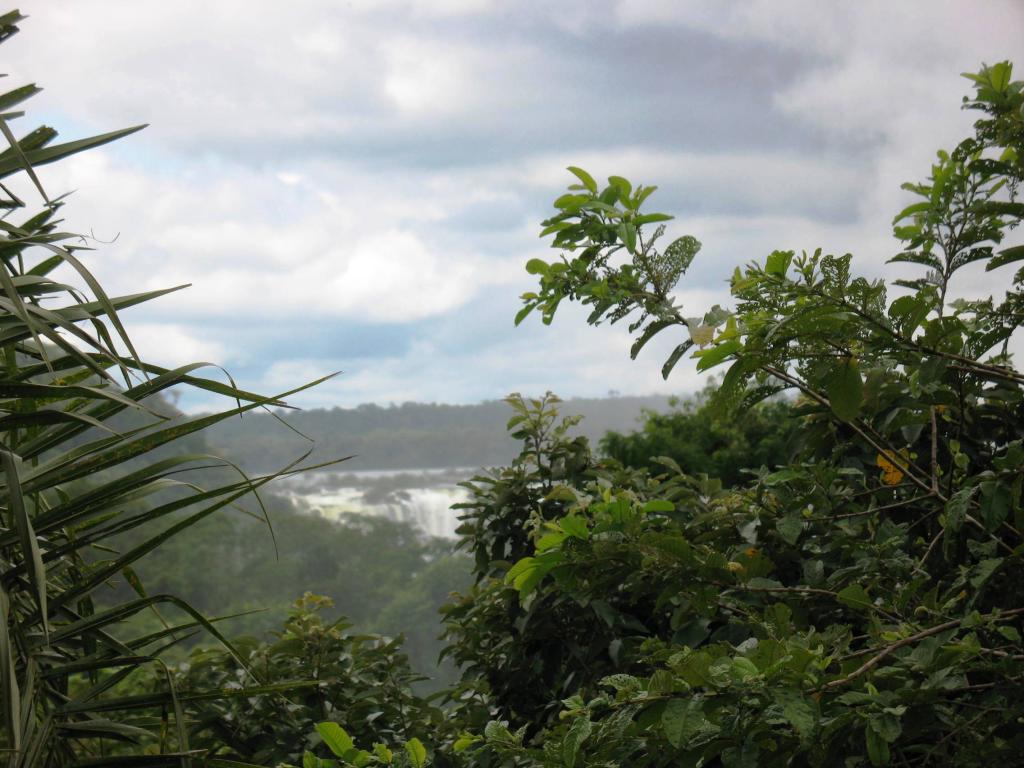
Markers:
410,435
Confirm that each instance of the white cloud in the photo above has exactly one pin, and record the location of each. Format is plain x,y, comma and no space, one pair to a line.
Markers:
569,358
766,182
386,161
254,246
173,345
426,77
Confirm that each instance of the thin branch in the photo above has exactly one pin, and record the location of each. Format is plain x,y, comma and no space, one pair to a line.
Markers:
892,647
805,591
884,508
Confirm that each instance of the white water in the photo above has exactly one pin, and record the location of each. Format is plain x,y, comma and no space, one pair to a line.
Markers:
420,497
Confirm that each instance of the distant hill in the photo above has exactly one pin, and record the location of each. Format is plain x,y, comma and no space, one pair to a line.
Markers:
407,436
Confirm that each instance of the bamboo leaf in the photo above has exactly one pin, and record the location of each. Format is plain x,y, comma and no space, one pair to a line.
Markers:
23,525
8,676
42,156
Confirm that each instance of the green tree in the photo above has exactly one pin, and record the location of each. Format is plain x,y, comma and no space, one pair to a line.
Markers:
703,443
358,681
861,605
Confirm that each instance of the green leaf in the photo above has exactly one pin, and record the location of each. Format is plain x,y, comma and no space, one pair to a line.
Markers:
417,753
18,95
855,596
523,313
790,527
682,720
575,526
622,185
953,520
983,571
11,164
1004,257
627,234
845,389
778,262
557,226
743,668
659,505
537,267
783,476
674,358
335,737
910,210
574,738
799,711
583,176
996,503
26,535
651,218
708,358
878,748
682,251
8,676
653,328
526,574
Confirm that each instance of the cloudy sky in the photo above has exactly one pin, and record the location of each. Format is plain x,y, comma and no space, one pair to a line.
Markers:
356,185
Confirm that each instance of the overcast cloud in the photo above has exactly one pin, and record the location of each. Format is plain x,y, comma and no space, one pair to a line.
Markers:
356,185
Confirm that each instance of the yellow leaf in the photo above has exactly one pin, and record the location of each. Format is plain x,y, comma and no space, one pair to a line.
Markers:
892,466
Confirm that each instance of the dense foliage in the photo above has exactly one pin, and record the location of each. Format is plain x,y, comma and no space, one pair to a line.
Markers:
704,443
861,605
327,672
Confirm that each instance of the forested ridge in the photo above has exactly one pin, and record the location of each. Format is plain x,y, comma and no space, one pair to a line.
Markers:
814,562
409,435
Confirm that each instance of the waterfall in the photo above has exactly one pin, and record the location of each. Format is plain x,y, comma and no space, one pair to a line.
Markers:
420,497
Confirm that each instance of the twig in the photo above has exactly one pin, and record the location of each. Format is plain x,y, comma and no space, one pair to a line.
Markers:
857,427
931,546
806,591
887,650
884,508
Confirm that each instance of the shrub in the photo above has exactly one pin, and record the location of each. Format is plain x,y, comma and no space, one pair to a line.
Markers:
861,605
328,673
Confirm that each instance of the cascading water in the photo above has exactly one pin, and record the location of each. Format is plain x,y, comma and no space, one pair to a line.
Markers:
420,497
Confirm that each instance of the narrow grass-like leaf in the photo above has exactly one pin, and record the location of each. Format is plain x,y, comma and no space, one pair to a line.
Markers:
8,676
42,156
113,616
47,475
25,164
107,729
47,417
29,544
18,95
150,700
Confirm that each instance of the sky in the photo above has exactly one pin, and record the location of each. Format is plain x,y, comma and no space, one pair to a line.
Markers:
356,186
